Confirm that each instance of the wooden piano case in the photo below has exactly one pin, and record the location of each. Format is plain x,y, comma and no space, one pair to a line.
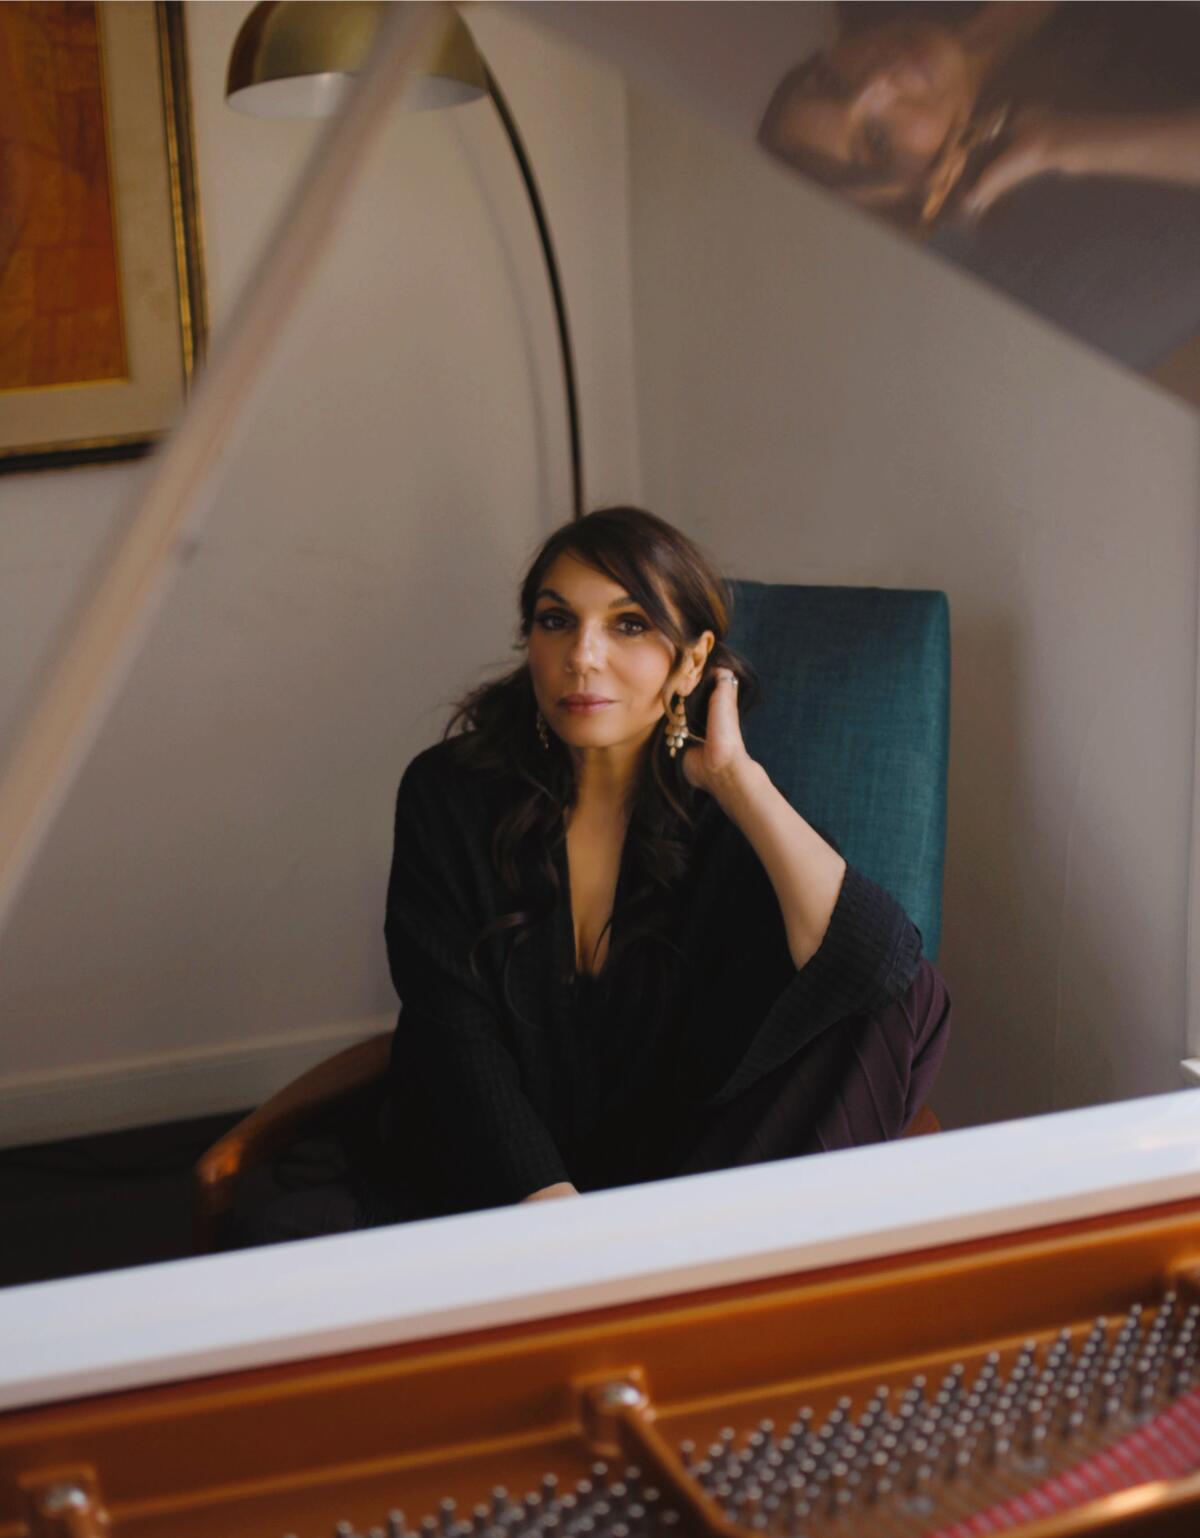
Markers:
298,1448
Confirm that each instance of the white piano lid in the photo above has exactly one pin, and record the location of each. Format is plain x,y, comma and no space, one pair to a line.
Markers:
188,1318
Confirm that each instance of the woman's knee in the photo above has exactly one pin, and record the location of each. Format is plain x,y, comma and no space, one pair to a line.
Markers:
930,1006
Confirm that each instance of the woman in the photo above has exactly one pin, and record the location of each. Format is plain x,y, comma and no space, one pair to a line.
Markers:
621,953
1053,150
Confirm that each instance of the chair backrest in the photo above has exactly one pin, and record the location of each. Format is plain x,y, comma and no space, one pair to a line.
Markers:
854,724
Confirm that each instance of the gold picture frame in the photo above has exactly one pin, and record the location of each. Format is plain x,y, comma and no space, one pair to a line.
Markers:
102,305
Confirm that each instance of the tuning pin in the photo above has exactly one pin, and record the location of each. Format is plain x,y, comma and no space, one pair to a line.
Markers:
1130,1330
1109,1410
916,1388
989,1368
1023,1373
802,1423
1178,1367
1032,1442
953,1381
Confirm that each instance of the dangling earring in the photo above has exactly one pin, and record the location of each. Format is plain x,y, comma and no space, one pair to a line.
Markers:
677,729
543,731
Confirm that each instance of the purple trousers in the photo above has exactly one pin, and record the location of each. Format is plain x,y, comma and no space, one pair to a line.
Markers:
860,1082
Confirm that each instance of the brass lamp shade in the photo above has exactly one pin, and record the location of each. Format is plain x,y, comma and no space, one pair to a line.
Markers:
297,58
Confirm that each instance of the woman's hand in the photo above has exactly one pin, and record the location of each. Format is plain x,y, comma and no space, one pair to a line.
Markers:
711,764
804,870
547,1193
1038,143
1153,146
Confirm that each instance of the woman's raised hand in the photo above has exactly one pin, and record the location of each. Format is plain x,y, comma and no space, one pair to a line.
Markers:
709,763
804,870
1146,146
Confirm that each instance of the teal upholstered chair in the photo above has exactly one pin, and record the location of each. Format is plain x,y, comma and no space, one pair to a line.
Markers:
853,729
854,724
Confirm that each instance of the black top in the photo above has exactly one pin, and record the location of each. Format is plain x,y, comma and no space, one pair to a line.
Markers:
525,1074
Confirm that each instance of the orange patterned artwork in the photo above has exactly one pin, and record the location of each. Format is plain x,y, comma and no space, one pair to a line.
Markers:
60,304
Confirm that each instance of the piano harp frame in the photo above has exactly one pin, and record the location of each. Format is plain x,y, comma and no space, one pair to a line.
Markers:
292,1448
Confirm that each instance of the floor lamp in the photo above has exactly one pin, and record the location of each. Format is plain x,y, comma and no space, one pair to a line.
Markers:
296,58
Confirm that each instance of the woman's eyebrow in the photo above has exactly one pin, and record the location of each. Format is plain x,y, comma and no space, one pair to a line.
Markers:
548,592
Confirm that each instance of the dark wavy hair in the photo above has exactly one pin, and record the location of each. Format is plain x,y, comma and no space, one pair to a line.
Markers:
494,726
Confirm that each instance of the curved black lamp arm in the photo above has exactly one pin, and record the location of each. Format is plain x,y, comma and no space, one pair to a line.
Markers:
560,309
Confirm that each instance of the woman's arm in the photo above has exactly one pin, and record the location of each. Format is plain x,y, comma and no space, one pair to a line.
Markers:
995,30
1151,146
563,1188
480,1139
804,870
477,1138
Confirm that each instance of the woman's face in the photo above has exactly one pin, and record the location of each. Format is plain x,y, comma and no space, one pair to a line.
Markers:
878,109
589,638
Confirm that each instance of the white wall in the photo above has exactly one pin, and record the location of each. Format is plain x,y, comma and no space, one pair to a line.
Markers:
206,916
822,402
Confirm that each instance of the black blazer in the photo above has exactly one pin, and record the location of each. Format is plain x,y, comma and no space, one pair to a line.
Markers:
518,1076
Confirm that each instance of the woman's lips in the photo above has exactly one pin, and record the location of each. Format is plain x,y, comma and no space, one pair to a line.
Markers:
585,707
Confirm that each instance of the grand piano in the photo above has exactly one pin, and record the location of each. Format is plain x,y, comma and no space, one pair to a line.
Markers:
988,1330
992,1330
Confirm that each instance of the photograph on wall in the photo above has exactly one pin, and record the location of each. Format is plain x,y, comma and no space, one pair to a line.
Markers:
1052,150
101,292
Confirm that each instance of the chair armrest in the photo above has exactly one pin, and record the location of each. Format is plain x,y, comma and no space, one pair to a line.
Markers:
274,1125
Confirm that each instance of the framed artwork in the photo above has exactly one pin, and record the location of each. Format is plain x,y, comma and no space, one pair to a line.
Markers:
102,313
1051,150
